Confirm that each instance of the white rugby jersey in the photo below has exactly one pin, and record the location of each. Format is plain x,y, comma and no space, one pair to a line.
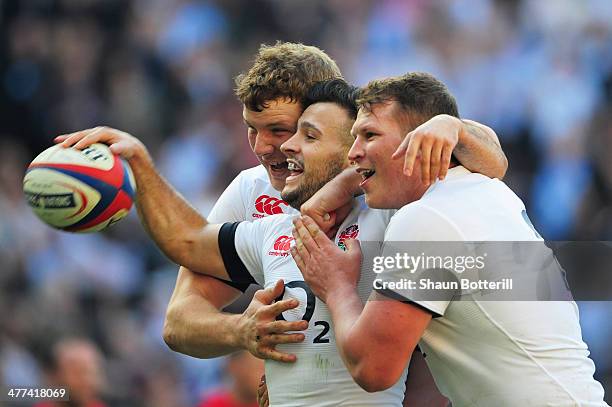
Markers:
494,353
249,196
259,252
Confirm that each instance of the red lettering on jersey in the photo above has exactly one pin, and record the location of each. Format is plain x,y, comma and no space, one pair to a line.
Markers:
268,205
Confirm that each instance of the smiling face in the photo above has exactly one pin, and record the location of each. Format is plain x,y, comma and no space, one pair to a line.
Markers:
378,132
267,130
317,152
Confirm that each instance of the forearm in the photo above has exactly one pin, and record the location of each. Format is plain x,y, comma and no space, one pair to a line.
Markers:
478,150
194,324
336,193
345,307
168,218
375,340
347,183
197,328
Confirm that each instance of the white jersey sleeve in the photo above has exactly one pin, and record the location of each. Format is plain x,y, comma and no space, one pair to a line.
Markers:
250,196
230,205
417,222
243,244
494,353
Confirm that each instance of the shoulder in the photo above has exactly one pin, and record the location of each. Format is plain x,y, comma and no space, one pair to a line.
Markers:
269,225
422,221
253,180
373,222
254,173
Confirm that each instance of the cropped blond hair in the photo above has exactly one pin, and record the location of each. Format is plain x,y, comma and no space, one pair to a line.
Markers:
284,70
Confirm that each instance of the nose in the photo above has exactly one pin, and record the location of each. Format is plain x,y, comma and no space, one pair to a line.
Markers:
261,144
290,147
356,153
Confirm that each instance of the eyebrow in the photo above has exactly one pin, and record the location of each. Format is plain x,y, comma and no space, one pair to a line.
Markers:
363,128
270,125
309,125
354,132
279,124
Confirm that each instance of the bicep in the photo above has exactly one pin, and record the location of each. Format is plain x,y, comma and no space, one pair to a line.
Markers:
205,254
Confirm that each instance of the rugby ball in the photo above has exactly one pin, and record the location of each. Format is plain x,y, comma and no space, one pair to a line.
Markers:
79,190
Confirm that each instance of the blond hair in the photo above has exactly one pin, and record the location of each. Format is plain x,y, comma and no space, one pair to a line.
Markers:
283,70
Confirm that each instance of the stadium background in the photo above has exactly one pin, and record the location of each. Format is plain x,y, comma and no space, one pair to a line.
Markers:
538,72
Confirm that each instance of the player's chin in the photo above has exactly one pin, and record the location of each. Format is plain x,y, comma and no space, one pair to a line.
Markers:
293,195
377,199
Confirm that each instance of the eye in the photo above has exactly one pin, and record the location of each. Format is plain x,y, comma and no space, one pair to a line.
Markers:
369,134
282,132
310,137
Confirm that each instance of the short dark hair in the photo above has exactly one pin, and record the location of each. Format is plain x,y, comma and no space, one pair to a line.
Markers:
419,94
336,91
284,69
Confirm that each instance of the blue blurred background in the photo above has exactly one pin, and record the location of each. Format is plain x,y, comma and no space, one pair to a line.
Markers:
538,72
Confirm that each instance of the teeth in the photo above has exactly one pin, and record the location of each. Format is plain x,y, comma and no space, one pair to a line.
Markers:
278,165
367,173
291,166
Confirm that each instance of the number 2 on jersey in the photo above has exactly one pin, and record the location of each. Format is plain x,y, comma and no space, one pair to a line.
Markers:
310,307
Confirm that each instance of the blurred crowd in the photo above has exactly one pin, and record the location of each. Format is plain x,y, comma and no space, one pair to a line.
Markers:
538,72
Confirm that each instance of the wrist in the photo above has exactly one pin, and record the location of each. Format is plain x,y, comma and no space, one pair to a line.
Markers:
339,293
349,183
140,156
237,336
464,130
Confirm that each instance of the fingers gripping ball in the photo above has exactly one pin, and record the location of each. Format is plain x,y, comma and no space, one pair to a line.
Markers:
79,190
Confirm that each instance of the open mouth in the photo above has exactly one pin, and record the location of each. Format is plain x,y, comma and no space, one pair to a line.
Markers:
278,168
366,174
295,169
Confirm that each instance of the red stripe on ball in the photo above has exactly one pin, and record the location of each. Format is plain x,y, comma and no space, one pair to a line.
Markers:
113,177
121,201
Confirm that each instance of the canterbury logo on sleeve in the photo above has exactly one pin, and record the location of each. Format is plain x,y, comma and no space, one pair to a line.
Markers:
281,246
268,205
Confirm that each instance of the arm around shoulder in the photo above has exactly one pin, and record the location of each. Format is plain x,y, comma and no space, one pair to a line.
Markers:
479,150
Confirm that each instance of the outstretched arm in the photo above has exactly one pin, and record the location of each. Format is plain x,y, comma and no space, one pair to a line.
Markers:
176,227
194,324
